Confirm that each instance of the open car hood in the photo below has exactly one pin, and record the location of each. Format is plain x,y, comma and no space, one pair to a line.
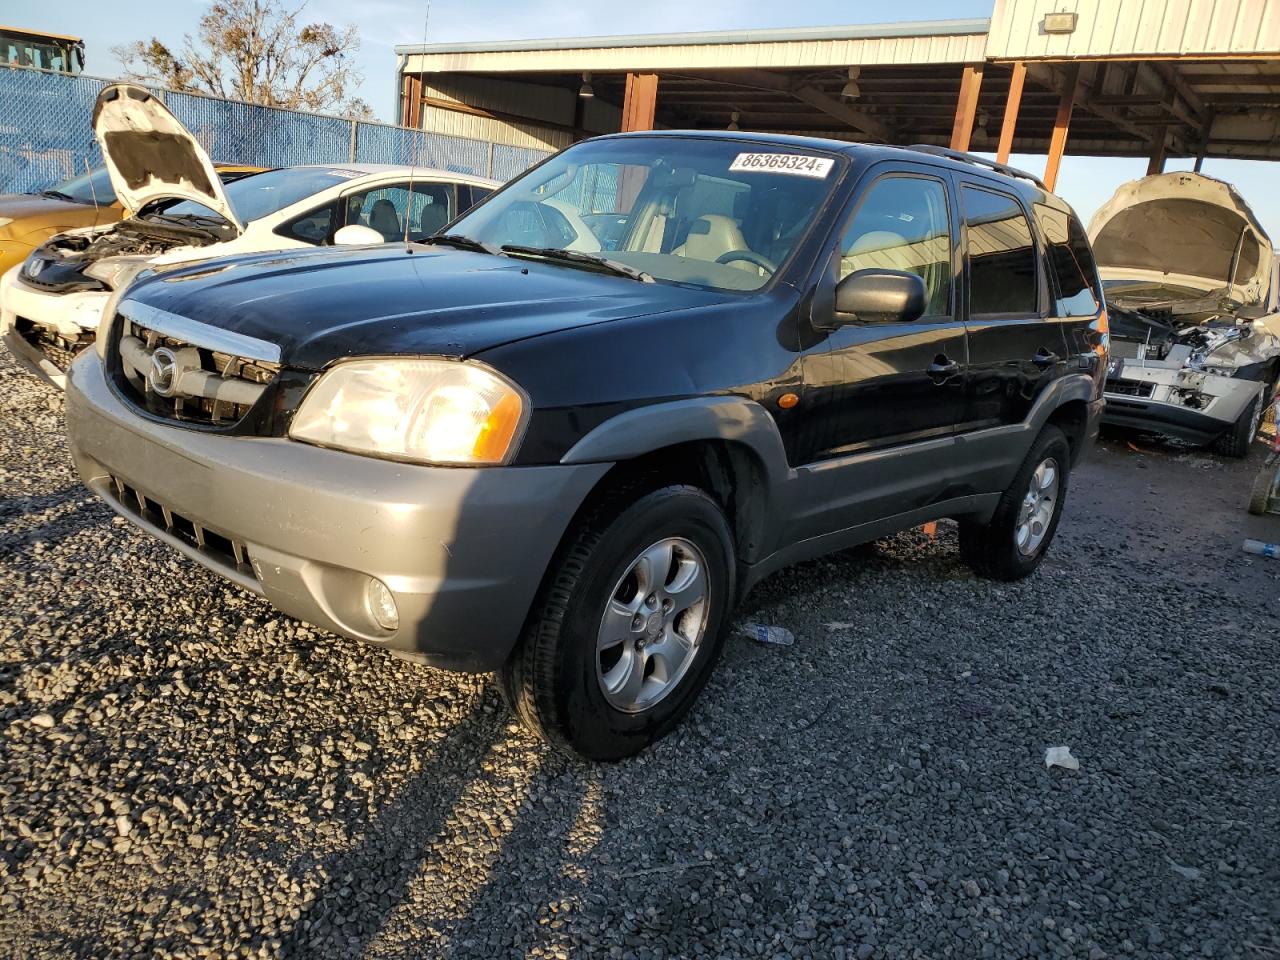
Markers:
151,156
1183,229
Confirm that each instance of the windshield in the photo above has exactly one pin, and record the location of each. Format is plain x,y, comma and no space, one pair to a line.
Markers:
263,194
94,186
724,214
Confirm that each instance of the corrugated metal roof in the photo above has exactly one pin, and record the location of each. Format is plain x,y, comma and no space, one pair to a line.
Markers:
1108,28
942,41
917,28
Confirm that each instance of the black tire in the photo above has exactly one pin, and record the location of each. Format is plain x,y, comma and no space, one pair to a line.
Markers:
991,548
1237,441
551,683
1260,492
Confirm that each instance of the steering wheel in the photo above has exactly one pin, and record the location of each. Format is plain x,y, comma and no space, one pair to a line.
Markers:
750,256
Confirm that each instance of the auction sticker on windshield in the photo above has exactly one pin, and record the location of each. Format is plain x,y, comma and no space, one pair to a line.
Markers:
792,163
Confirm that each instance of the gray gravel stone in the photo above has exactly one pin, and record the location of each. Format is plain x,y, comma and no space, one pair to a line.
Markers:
220,780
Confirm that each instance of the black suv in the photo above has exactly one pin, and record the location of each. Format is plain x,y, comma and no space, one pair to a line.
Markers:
561,439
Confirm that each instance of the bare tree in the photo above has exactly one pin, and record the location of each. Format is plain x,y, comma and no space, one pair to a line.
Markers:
255,50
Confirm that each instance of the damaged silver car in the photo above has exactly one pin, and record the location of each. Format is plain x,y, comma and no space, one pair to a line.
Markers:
1193,295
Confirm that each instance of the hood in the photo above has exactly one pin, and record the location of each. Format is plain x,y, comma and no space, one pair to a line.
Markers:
151,156
322,305
1185,229
20,206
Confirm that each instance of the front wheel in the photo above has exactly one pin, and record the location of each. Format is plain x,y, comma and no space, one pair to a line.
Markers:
628,624
1013,543
1237,441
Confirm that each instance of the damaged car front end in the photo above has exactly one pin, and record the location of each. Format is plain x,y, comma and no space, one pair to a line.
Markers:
1193,295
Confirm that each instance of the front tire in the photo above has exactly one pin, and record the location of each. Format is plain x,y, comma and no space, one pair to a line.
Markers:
1012,544
1237,441
628,624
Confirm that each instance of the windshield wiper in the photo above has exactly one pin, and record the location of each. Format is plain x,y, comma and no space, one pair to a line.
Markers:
463,243
59,195
577,256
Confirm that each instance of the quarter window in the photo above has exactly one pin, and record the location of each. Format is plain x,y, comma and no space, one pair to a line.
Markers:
1070,261
902,224
1002,257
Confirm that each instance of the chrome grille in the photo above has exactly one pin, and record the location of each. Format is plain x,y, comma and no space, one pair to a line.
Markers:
174,378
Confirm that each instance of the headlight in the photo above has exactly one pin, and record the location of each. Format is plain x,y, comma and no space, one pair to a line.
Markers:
420,409
115,272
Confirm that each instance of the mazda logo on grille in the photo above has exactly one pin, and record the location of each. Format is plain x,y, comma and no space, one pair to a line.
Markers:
163,375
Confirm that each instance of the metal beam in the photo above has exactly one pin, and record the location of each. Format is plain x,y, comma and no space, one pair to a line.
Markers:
1058,142
1012,105
1156,163
966,106
640,101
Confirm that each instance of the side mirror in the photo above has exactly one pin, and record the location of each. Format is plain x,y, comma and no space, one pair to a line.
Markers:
357,235
880,296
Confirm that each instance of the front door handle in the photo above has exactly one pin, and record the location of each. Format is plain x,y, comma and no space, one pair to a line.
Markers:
944,368
1044,358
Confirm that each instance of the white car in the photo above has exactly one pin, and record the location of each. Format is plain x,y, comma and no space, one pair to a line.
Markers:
1193,294
180,212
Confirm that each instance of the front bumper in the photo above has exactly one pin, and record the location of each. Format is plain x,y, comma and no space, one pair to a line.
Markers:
1155,399
70,319
463,551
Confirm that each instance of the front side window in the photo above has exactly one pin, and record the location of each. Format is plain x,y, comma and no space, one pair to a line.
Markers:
394,211
723,214
1002,256
1070,261
902,224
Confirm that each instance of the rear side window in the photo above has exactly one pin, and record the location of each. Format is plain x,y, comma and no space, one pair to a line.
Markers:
1002,256
1070,263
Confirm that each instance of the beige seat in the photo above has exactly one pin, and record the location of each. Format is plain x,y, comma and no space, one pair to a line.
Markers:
711,236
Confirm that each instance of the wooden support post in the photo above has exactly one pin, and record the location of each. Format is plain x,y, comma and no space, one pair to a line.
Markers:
411,102
1156,163
1011,107
966,106
1058,142
640,101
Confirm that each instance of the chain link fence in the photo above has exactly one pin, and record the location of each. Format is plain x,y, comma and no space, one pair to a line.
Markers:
46,137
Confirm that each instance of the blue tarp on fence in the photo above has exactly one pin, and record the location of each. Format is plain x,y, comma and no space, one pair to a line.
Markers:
46,137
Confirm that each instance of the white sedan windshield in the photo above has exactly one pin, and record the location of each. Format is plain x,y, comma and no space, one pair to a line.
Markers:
717,213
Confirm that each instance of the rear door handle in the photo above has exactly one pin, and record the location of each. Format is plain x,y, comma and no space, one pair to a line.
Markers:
1044,358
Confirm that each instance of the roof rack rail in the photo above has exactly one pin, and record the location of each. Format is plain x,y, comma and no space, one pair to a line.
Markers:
1004,168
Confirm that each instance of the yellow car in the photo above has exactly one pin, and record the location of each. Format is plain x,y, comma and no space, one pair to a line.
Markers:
28,219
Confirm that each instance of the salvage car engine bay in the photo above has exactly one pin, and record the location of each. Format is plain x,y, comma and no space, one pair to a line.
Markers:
134,237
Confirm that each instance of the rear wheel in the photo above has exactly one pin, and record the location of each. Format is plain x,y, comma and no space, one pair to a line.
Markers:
628,624
1237,441
1013,543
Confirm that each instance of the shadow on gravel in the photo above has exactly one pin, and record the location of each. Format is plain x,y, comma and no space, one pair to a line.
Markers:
367,882
82,516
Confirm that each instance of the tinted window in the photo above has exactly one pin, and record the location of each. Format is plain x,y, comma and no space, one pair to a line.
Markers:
315,226
478,194
1002,259
1070,262
902,224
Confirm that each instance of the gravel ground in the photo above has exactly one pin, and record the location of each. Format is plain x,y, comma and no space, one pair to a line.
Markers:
184,772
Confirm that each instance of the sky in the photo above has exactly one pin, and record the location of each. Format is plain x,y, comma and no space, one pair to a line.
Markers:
1085,182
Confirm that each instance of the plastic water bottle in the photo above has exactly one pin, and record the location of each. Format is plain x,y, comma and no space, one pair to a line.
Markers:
1262,549
762,633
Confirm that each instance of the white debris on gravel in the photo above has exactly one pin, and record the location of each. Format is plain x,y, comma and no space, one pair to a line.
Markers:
1060,757
292,794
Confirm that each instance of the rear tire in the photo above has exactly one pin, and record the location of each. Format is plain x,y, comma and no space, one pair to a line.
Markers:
1260,492
570,680
1012,544
1237,441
